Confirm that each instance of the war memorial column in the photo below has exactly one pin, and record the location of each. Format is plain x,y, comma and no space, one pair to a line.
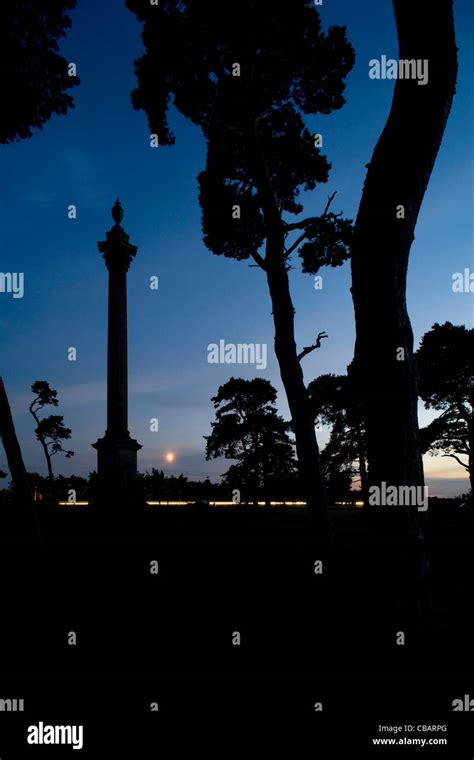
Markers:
117,450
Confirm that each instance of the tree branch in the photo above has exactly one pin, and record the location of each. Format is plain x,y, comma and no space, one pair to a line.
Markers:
260,261
330,200
300,225
303,225
308,349
453,456
295,244
463,413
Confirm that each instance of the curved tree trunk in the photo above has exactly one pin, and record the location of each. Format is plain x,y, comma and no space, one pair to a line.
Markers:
399,171
13,451
286,352
43,446
275,267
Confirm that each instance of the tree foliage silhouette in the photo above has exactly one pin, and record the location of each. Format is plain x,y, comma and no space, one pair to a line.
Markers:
33,76
384,370
50,431
337,465
249,430
246,73
160,486
445,361
334,405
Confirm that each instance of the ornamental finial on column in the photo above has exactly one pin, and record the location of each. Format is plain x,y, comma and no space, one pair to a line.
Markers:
117,250
117,212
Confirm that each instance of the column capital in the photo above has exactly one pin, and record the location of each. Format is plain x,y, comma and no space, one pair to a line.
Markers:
117,251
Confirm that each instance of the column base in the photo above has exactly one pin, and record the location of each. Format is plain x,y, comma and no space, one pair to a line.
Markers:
117,457
116,468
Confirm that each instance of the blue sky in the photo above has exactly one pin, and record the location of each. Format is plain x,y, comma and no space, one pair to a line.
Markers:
101,149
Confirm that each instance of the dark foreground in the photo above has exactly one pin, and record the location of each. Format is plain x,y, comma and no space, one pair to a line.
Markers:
318,656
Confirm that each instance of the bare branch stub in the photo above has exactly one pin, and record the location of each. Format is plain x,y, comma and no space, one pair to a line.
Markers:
308,349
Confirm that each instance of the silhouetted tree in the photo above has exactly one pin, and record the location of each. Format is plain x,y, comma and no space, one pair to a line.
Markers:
249,430
50,431
245,73
161,487
397,178
334,405
445,362
33,77
338,471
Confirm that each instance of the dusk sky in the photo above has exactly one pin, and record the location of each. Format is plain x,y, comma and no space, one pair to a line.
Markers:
101,149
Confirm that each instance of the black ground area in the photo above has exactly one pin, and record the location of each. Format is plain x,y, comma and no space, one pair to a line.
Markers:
318,654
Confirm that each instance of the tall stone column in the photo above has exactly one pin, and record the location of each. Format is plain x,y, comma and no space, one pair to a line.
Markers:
117,451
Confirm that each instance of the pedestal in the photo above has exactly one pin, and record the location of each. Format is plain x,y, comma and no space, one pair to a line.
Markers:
117,459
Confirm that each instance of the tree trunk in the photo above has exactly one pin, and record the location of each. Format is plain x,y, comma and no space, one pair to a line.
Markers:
399,171
470,460
362,465
292,377
12,450
275,267
44,447
48,460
